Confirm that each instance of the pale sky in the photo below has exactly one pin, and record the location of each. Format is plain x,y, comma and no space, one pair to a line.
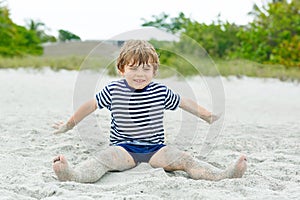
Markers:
97,20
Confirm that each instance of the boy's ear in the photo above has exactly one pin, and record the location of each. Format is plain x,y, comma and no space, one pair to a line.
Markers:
155,73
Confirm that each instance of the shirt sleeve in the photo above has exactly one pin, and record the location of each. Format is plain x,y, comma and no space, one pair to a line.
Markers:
103,98
172,101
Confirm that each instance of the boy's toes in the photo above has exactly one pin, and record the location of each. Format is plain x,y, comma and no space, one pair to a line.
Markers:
59,158
56,159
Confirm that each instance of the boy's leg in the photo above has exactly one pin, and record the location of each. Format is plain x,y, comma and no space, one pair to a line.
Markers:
172,159
113,158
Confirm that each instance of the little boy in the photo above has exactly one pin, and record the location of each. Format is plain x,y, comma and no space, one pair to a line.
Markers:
137,135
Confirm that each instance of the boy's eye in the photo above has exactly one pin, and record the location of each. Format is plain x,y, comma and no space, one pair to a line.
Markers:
147,67
133,68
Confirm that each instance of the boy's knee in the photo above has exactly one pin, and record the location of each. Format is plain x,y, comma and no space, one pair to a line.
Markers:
172,159
115,159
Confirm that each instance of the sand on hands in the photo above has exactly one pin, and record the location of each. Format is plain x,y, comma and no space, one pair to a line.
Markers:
261,121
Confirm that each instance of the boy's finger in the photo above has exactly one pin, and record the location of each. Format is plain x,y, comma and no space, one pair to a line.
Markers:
57,132
62,129
54,125
58,123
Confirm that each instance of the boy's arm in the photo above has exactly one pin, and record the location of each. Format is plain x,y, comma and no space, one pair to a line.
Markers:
83,111
197,110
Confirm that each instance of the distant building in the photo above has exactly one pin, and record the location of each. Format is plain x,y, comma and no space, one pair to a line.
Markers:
107,46
146,33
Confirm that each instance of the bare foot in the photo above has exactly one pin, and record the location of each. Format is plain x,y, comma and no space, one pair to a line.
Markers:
61,169
237,169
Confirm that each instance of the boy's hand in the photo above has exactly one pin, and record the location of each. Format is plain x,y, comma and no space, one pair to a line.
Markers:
213,118
61,127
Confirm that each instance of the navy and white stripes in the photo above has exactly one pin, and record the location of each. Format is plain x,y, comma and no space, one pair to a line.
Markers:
137,115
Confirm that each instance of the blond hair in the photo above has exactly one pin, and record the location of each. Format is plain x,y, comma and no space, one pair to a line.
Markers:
137,52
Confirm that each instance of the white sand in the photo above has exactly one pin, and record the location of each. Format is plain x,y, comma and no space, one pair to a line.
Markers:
262,121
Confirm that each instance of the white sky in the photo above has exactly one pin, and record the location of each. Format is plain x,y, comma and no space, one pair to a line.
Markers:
96,19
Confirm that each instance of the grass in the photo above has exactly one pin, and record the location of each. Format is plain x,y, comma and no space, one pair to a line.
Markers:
253,69
55,63
225,67
101,55
73,56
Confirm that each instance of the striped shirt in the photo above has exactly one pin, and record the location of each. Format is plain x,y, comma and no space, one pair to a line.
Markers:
137,115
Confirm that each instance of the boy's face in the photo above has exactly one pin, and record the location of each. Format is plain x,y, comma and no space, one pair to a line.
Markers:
138,77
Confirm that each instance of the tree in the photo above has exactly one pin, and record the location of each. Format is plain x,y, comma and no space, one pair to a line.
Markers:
67,36
219,39
164,22
40,29
16,40
273,36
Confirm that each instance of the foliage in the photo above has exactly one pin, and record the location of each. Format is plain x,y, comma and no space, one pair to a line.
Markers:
39,62
226,68
16,40
67,36
218,38
40,29
164,22
273,36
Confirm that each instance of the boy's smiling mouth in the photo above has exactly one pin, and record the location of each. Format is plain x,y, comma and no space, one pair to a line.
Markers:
139,80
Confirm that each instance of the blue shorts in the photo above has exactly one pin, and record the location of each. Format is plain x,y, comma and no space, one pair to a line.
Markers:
141,152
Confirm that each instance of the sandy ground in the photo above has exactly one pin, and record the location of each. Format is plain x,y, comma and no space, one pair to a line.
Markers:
262,121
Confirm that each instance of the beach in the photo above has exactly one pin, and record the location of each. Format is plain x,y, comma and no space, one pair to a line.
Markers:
261,120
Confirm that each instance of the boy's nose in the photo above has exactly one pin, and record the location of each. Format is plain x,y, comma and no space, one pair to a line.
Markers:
140,72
